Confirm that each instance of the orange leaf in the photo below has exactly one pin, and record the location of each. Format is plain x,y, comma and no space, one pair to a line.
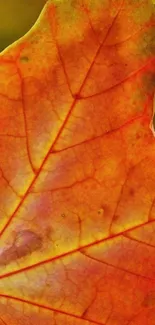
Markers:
77,167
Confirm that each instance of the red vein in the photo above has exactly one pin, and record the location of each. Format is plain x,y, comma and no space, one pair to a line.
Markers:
144,28
3,321
131,169
82,181
138,240
91,25
126,124
12,135
152,206
120,82
74,251
9,185
25,121
32,303
117,267
60,130
63,66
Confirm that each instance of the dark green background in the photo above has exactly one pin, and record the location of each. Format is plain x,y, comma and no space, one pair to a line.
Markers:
16,18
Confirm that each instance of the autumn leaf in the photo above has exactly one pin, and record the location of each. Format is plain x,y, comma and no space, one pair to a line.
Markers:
77,198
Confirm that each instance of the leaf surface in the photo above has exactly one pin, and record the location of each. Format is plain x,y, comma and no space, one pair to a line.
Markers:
77,167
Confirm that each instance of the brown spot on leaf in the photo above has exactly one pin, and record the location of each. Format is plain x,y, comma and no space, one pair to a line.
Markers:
24,58
24,244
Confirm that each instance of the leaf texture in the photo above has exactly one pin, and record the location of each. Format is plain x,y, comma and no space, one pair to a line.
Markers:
77,169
